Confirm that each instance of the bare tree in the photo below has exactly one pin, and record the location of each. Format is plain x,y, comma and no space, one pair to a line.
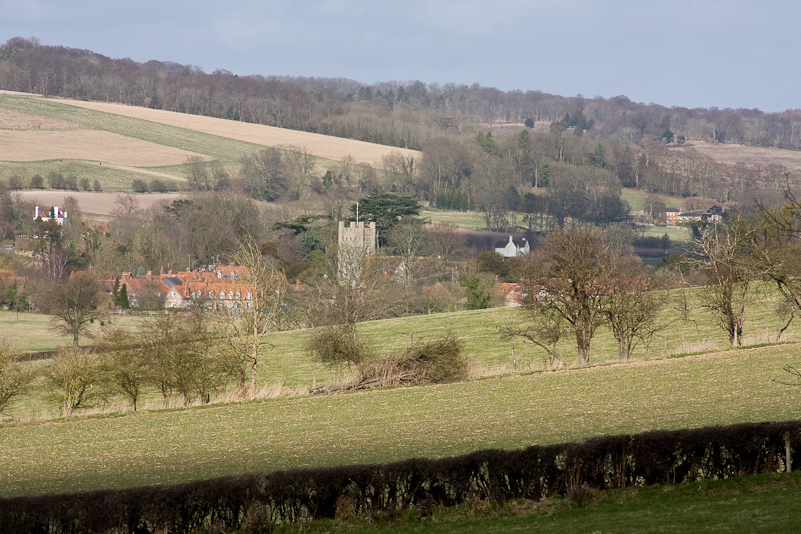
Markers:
261,289
181,356
13,379
631,307
725,252
123,361
71,375
570,277
75,305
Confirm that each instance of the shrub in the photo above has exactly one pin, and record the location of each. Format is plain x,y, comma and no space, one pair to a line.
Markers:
37,182
14,182
338,345
139,186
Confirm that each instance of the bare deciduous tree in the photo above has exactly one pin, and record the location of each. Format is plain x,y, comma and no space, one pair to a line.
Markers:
13,379
261,291
725,260
71,375
570,277
75,305
123,361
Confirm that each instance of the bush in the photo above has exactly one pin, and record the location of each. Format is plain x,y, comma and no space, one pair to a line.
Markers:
433,362
337,345
139,186
37,182
14,182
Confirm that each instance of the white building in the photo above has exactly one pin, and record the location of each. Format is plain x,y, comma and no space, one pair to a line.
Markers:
514,248
56,215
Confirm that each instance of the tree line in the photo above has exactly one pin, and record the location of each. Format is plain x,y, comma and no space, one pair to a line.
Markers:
398,114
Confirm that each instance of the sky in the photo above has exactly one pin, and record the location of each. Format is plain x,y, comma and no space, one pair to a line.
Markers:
687,53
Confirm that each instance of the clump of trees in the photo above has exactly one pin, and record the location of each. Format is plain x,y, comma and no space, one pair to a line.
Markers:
580,280
423,362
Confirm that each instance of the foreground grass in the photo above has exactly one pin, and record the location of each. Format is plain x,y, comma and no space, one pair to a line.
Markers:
173,446
767,503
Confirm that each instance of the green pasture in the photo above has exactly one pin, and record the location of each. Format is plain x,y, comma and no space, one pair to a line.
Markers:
637,199
766,503
32,332
467,220
227,151
284,359
172,446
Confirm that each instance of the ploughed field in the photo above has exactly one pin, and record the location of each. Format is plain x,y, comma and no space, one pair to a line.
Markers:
116,144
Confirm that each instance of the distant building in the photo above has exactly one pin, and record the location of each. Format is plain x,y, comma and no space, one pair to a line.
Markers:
514,248
672,216
53,215
358,234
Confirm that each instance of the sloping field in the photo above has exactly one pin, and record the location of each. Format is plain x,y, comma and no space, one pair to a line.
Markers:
166,447
94,205
18,120
100,146
319,145
746,155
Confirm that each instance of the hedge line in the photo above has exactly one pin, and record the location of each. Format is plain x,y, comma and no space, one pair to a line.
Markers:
257,501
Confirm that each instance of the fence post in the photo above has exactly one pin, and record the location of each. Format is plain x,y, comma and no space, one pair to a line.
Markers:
788,460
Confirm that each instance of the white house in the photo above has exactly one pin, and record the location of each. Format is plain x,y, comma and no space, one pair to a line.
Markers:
57,216
514,248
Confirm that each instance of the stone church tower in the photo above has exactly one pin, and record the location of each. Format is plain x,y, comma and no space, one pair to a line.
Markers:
359,234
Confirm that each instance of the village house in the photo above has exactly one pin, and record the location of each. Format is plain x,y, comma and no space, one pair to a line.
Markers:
672,216
514,248
53,215
224,286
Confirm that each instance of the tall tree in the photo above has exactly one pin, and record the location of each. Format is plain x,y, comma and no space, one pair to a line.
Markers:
75,305
570,277
386,209
725,252
261,290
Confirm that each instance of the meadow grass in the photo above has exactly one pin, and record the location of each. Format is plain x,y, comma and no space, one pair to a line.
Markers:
32,332
284,357
173,446
467,220
765,503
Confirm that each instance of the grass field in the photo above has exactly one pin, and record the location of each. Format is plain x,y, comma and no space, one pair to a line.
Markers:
768,503
467,220
285,361
172,446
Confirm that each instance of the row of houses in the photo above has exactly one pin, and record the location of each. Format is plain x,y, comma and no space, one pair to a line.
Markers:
674,216
223,286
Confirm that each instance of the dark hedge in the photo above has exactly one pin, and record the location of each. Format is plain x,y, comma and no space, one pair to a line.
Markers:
255,502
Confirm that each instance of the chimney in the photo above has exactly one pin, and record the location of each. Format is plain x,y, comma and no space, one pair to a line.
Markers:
36,213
